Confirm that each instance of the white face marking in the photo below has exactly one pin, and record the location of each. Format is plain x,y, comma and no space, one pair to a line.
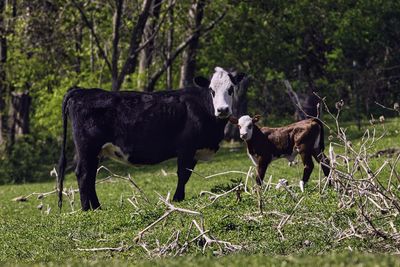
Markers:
222,92
245,124
114,152
204,154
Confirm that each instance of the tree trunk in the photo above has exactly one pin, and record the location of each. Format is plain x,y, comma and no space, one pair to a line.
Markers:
130,62
188,68
305,105
3,60
136,36
170,43
146,55
239,108
115,49
78,47
178,50
19,115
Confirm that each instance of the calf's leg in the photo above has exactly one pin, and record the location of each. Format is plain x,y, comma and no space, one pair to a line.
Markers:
308,168
185,162
321,158
262,166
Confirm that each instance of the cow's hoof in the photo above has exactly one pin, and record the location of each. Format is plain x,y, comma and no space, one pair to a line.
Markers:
178,198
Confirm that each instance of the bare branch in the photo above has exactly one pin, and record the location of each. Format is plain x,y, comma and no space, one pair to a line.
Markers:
89,24
171,209
136,36
396,107
215,197
154,78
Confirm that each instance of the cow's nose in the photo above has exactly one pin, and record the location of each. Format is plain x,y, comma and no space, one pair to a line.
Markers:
223,110
243,136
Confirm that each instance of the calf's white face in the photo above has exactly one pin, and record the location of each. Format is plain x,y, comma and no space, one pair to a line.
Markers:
245,125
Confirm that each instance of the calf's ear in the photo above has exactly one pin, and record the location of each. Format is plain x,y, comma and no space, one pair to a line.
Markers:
256,118
233,120
201,82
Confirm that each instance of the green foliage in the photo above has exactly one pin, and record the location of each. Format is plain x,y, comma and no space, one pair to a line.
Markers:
311,43
30,160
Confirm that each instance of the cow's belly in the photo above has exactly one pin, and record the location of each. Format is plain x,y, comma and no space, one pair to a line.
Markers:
204,154
289,157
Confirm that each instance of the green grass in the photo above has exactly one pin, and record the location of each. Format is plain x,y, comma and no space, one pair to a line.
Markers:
29,235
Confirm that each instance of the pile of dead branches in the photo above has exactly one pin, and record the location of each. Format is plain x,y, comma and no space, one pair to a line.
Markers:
371,190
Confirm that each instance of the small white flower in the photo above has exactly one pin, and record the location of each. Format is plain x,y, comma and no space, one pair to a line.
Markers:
282,182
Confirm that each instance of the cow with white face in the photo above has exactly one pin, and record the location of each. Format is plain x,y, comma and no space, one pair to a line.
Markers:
221,87
143,128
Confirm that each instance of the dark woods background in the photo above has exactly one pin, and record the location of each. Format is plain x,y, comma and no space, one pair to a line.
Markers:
340,49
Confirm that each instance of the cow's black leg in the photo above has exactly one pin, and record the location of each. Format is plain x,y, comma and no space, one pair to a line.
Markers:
185,162
86,175
81,171
94,201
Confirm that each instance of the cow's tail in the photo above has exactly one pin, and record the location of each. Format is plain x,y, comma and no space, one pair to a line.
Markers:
321,134
63,159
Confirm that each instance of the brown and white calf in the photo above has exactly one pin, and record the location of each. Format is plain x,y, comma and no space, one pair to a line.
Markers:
266,144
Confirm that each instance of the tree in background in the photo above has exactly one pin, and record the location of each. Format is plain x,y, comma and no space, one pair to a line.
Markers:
3,60
146,54
188,66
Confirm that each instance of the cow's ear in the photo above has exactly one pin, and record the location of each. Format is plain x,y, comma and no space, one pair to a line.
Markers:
256,118
202,82
233,120
236,79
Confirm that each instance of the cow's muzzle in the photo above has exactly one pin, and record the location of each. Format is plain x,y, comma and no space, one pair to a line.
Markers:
223,113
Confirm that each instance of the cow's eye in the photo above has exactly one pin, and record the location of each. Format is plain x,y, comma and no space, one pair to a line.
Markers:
230,90
212,92
239,126
250,127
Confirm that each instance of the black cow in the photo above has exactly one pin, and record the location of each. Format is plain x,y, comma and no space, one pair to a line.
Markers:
146,128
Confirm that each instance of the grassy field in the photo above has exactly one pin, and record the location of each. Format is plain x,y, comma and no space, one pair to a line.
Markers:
310,236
